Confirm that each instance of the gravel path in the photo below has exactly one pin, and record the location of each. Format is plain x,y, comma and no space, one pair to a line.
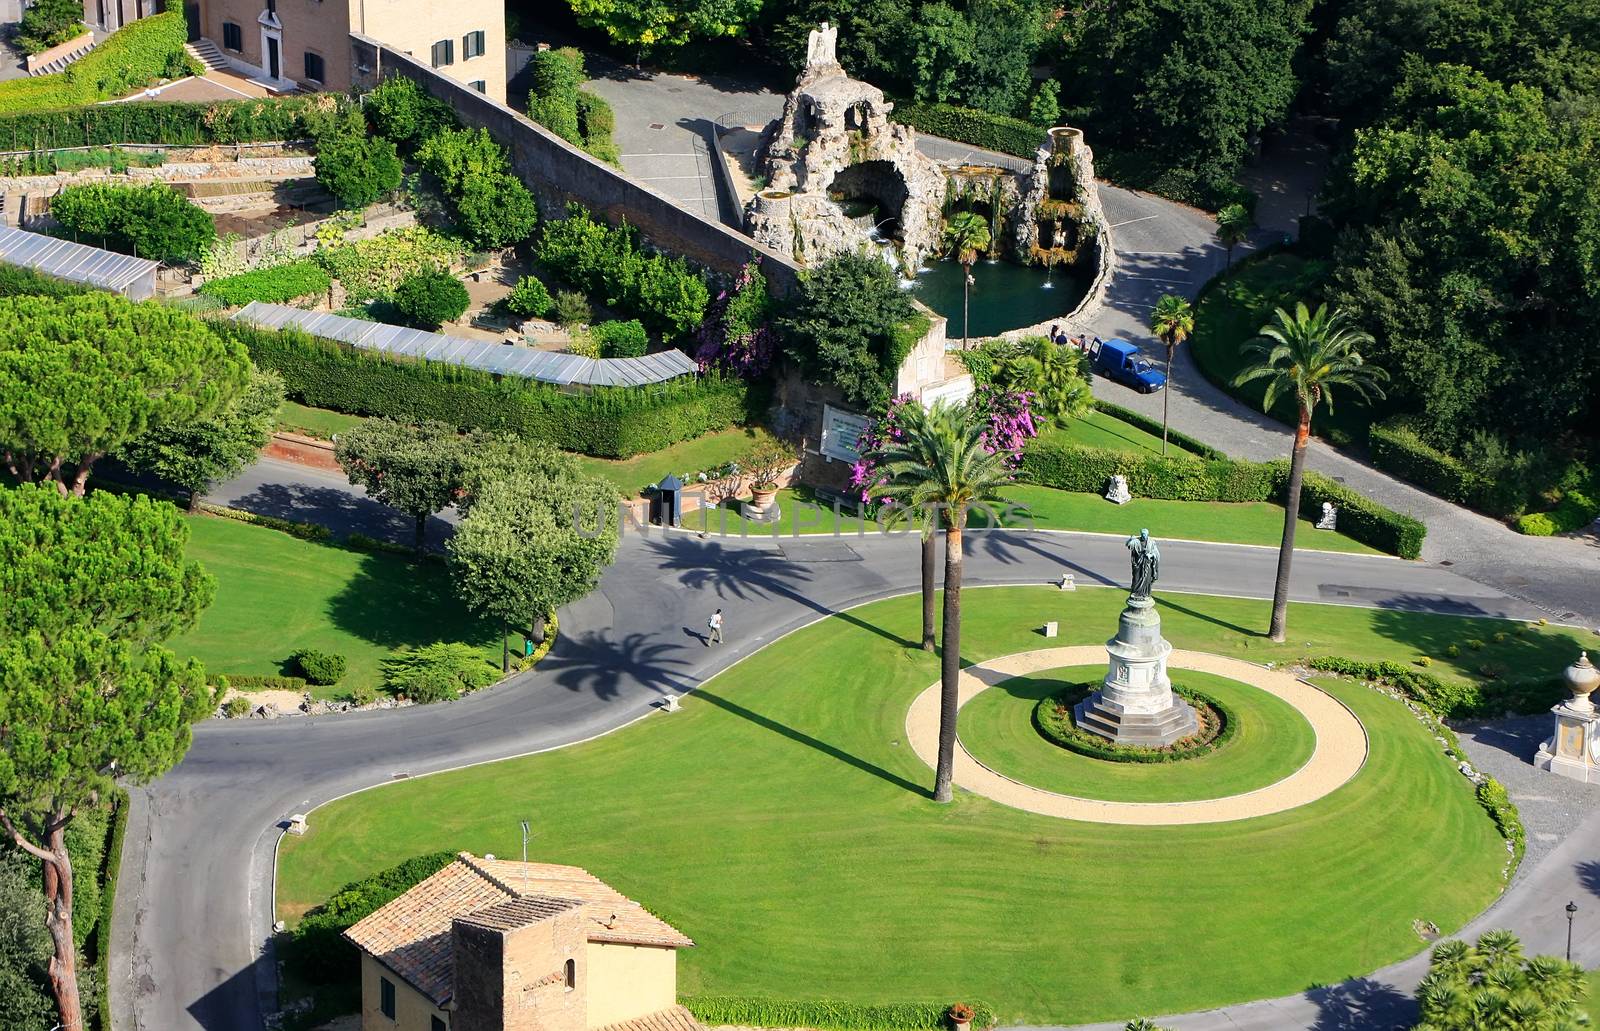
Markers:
1340,751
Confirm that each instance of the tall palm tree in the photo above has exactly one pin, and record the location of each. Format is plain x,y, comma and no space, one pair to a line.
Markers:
1233,227
1306,354
966,235
939,466
1172,322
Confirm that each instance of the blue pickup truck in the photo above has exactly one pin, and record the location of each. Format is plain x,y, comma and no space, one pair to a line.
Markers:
1118,360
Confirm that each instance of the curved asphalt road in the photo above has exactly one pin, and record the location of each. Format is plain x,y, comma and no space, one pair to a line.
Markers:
194,901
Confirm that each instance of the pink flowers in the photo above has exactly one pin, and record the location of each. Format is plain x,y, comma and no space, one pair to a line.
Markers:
1010,426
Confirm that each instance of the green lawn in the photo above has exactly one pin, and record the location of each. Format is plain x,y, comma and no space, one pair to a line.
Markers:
690,456
314,422
1097,429
782,822
1271,742
1050,509
277,594
1231,312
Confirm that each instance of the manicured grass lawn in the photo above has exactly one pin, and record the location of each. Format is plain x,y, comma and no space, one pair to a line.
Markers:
1271,742
314,422
690,456
1050,509
783,823
1097,429
277,594
1231,313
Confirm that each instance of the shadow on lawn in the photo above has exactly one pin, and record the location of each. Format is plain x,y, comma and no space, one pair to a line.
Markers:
394,602
1518,654
803,738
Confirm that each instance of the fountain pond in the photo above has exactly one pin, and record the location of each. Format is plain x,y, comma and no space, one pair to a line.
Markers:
1004,295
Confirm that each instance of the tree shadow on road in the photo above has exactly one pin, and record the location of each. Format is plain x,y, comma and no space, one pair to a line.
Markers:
593,661
1361,1004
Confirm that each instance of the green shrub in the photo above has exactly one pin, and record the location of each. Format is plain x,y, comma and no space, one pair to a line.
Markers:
1191,444
829,1015
177,124
237,707
529,299
437,673
49,23
1397,448
1052,717
354,166
16,280
320,667
596,122
252,682
431,297
129,59
152,220
277,285
571,308
1359,517
1574,511
492,207
371,269
405,113
292,527
979,128
621,339
607,262
1497,803
553,97
610,422
1449,699
318,950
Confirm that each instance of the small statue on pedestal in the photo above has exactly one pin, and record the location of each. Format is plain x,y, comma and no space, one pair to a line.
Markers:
1117,493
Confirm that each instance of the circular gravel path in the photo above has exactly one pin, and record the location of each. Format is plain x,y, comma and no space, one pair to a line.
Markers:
1340,751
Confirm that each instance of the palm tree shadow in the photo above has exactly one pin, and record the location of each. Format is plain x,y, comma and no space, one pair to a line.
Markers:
592,661
833,752
1166,602
1361,1004
1589,876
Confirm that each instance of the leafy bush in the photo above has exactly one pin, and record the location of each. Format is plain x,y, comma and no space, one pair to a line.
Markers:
371,269
251,682
151,220
1449,699
318,950
49,23
129,59
437,673
828,1015
529,299
553,97
320,667
16,280
596,122
405,113
612,422
431,297
849,327
237,707
1397,448
354,166
607,262
621,339
277,285
571,308
1052,716
979,128
292,527
1575,511
492,207
1497,803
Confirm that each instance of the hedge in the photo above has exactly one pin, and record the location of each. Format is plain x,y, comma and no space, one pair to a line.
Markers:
979,128
1397,448
1067,466
1497,803
827,1014
1574,511
276,285
253,682
177,124
108,904
129,59
609,422
16,281
1064,731
292,527
1449,699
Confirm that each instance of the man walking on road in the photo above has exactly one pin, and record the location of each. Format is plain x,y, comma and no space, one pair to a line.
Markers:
715,623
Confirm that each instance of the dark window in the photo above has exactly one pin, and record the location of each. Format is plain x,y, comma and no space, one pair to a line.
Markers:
314,67
472,45
444,52
572,974
479,85
232,37
437,1025
386,997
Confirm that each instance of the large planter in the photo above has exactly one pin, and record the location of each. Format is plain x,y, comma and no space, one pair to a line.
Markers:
762,497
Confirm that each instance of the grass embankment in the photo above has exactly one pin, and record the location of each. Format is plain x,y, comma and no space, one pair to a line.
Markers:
691,456
314,422
1098,429
783,823
277,594
1270,741
1230,313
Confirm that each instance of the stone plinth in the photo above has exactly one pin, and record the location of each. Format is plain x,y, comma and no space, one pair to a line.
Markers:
1135,705
1574,749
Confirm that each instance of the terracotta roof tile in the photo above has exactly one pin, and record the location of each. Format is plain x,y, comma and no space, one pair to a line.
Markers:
411,935
673,1018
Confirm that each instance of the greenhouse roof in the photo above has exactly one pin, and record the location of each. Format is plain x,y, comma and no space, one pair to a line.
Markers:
500,359
74,262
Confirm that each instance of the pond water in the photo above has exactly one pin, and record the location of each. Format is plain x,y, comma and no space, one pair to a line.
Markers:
1004,296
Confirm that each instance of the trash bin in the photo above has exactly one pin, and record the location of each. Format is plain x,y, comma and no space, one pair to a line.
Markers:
666,507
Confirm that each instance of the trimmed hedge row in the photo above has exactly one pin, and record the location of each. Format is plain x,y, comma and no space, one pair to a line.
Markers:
1066,466
979,128
178,124
610,422
1149,425
1397,448
255,682
130,58
292,527
108,904
829,1015
1497,803
1064,731
1448,699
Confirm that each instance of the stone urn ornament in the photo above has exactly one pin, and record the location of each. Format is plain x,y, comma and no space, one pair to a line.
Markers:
1573,750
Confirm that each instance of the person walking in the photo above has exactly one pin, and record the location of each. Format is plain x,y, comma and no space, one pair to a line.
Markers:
715,623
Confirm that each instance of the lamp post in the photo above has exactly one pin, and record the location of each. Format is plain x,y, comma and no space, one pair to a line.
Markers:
1572,910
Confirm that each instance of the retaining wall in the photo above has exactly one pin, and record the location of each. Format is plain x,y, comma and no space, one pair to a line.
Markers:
558,173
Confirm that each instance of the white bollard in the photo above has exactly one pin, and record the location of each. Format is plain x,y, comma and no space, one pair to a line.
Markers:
1050,629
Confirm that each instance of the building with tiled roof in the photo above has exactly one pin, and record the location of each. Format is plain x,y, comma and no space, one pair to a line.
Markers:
493,945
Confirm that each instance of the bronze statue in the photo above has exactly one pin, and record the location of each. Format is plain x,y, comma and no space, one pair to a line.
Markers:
1146,564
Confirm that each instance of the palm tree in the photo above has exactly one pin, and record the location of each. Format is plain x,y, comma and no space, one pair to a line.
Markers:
1234,223
1173,321
939,466
1052,374
966,235
1306,354
1492,985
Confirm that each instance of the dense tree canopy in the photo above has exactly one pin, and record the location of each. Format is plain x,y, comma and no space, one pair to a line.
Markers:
848,327
151,220
417,469
356,167
195,455
83,376
654,23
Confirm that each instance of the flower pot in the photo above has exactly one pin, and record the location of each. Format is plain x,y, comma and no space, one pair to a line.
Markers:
761,498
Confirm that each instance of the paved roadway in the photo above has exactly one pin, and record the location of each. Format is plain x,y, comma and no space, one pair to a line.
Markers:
194,901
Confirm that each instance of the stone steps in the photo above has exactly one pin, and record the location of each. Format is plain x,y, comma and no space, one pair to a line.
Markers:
1150,730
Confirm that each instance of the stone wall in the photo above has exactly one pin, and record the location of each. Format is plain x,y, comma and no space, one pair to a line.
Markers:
557,172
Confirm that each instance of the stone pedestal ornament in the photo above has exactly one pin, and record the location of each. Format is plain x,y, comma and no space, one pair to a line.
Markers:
1330,517
1574,749
1117,492
1135,704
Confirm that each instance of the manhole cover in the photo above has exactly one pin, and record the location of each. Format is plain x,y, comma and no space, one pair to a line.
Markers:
1446,562
674,89
657,125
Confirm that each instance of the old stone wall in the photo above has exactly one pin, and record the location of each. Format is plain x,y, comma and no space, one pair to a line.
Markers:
558,173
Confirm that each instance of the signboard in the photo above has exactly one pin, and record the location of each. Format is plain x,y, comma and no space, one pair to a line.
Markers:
841,433
952,392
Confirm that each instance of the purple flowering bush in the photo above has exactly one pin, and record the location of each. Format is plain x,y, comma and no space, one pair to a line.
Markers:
1011,424
737,334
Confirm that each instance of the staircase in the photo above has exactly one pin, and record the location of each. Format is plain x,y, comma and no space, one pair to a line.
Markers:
206,52
60,62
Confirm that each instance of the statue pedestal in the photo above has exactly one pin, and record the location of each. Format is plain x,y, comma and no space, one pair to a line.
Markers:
1136,706
1571,750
